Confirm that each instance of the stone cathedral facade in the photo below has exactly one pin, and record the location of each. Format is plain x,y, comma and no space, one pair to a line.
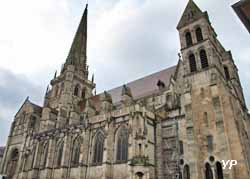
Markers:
177,123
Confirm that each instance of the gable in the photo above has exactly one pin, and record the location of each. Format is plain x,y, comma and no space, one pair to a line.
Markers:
191,13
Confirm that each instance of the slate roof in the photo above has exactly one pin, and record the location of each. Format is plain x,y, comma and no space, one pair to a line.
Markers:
140,88
145,86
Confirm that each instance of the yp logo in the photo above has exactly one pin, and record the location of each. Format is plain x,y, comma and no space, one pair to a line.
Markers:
229,164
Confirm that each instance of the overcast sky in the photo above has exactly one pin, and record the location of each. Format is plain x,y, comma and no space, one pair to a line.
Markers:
128,38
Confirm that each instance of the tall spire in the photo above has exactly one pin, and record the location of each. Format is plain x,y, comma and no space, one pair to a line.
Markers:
78,52
191,12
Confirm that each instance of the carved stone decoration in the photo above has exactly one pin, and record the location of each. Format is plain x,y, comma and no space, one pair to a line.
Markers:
213,78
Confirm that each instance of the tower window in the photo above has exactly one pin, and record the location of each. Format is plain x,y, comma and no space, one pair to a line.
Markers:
181,147
208,171
226,72
192,63
122,145
210,143
140,150
205,118
189,40
98,148
203,57
186,172
76,90
199,35
219,170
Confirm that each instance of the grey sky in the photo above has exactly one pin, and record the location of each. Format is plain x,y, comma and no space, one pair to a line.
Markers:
128,38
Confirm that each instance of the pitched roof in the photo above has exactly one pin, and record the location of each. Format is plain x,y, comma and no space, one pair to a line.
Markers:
139,88
145,86
191,12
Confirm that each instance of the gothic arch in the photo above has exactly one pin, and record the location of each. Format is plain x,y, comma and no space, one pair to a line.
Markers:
43,154
188,37
77,90
198,33
203,58
12,162
226,71
186,172
219,171
59,153
192,63
98,147
76,150
208,171
122,144
181,147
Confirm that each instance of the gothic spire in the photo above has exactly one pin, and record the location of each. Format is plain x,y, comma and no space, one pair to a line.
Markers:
191,12
78,52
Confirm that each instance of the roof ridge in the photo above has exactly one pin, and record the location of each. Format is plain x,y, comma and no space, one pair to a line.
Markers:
152,74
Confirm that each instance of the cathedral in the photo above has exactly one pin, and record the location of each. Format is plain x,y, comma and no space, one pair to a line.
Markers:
180,123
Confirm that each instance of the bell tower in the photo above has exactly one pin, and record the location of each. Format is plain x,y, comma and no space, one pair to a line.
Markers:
72,85
212,100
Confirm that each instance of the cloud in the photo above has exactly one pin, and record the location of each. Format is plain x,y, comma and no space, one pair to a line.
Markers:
128,38
14,89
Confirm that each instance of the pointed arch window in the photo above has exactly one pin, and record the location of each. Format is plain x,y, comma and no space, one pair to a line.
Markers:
192,63
186,172
76,150
203,57
199,35
98,148
189,41
76,90
181,147
226,73
44,155
122,145
59,154
219,171
12,163
208,171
